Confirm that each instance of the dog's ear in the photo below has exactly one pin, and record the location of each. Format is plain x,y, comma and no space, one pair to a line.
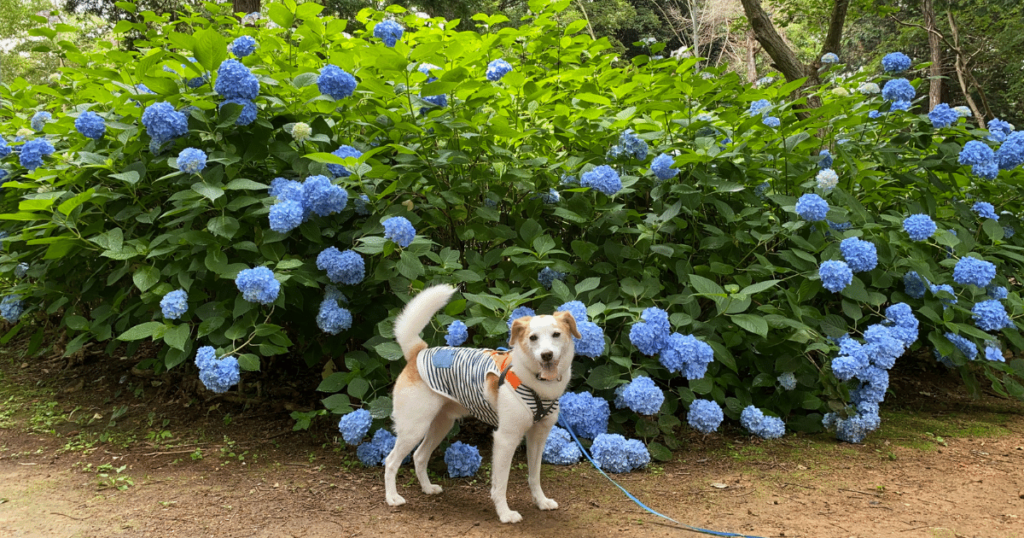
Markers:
566,318
519,327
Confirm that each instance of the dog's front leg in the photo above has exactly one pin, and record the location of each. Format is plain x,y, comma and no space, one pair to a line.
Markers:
536,437
505,443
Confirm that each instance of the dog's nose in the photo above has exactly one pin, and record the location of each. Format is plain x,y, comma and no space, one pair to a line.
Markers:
547,356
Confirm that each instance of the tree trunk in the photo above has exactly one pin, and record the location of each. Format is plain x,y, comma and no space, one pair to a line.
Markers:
835,28
751,58
245,6
784,58
961,70
935,71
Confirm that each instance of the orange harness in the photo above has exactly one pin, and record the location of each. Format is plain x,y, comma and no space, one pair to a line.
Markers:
503,359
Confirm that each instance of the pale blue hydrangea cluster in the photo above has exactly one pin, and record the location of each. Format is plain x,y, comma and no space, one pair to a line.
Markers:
895,62
629,146
705,416
362,205
985,210
498,69
335,82
766,427
462,459
761,106
662,167
344,152
997,292
591,342
332,317
855,428
547,276
163,123
614,453
812,207
943,116
652,333
835,275
192,160
519,312
990,315
560,449
21,270
297,202
771,121
981,158
919,226
603,179
860,255
399,231
39,120
11,308
354,426
235,81
457,334
900,92
686,354
5,149
242,46
946,301
1011,152
998,130
971,270
827,179
258,285
914,285
90,125
33,151
787,380
551,197
825,159
374,451
436,100
174,304
388,31
345,267
585,413
640,395
218,375
248,113
869,88
829,58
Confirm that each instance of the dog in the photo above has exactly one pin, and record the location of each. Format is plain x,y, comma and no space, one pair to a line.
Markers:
517,392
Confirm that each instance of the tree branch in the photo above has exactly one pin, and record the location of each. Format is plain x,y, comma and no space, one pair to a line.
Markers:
835,27
772,43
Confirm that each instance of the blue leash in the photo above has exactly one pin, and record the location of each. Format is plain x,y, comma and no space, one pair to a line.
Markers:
562,422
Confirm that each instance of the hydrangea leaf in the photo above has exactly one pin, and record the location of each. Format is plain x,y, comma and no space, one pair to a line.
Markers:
210,48
140,331
752,323
177,336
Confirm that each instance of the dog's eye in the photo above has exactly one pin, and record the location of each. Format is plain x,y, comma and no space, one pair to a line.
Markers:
533,337
556,335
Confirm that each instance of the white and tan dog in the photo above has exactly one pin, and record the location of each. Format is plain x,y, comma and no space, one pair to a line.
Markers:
516,391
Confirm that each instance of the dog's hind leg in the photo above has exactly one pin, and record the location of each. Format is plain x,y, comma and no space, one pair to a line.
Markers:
536,437
439,428
415,409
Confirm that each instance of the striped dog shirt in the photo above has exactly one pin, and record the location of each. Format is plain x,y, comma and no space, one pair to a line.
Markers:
461,373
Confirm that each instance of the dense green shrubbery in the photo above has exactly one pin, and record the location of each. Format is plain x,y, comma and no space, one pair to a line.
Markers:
108,227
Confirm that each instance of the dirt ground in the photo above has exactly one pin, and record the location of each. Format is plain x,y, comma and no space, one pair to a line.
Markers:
96,451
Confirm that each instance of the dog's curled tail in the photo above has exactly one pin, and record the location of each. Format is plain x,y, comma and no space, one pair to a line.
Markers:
416,315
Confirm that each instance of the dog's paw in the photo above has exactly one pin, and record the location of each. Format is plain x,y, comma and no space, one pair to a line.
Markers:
547,504
432,489
395,500
511,517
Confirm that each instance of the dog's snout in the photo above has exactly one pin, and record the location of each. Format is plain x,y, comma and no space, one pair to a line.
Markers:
547,355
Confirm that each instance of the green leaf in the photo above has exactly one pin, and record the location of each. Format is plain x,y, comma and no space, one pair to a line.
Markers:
77,323
177,336
225,227
706,286
752,323
140,331
759,287
280,15
208,191
603,377
358,387
146,277
592,98
588,284
250,362
334,382
67,206
210,48
380,408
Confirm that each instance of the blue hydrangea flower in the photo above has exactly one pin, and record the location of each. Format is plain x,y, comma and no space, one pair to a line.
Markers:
936,288
163,123
920,227
825,159
39,120
21,270
636,454
704,416
996,292
651,334
457,334
970,270
286,189
174,304
641,395
914,285
604,179
585,413
362,205
388,31
895,62
827,179
345,267
498,69
1011,152
248,113
875,114
686,354
835,275
547,276
322,197
964,345
860,255
5,150
11,308
220,375
91,125
560,449
242,46
592,342
662,167
286,216
344,152
355,425
33,151
943,116
757,423
1008,231
374,451
900,105
985,210
812,207
613,453
976,152
576,308
332,317
771,121
521,312
829,58
856,428
993,353
760,189
399,230
568,180
990,315
205,357
632,145
787,380
192,160
258,285
462,459
898,89
551,197
760,106
235,81
998,130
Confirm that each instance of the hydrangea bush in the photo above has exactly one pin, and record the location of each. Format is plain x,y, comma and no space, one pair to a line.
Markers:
726,259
